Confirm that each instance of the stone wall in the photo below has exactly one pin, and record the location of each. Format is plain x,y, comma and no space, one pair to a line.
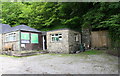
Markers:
73,44
61,46
68,44
86,38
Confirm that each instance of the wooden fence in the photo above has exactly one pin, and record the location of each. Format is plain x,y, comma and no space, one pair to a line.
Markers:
99,39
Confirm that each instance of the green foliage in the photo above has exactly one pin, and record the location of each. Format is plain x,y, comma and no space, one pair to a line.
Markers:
113,25
93,52
104,16
44,16
55,15
114,28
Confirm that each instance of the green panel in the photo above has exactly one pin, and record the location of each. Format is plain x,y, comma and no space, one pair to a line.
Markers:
25,36
34,38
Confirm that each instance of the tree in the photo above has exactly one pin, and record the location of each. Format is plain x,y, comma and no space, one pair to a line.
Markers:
54,15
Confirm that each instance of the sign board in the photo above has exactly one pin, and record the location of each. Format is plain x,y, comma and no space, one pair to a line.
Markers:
25,41
34,38
23,45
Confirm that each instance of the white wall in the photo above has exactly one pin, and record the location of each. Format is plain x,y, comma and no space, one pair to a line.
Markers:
15,43
0,42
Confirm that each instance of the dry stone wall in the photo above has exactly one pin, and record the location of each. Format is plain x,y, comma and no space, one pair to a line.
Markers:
68,43
61,46
73,44
86,38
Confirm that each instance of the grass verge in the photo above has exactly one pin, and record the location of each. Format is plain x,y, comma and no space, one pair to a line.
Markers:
89,52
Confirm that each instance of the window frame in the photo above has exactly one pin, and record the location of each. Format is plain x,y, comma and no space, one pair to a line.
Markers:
56,35
24,34
10,37
77,37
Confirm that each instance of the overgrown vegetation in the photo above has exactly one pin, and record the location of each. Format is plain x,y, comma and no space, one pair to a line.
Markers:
52,15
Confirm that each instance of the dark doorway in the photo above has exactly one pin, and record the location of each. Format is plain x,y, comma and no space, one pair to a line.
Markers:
44,42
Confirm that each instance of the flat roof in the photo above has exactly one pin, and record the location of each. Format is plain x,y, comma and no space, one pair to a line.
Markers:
62,29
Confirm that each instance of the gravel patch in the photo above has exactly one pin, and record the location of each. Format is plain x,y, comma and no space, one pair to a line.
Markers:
57,64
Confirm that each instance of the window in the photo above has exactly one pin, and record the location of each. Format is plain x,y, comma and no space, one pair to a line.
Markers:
34,38
76,37
6,38
56,37
14,36
10,37
25,36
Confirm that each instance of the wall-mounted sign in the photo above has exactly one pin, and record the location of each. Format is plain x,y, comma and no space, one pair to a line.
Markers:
34,38
25,36
25,41
23,45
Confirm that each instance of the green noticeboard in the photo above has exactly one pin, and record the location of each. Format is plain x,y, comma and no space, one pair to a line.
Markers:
34,38
25,36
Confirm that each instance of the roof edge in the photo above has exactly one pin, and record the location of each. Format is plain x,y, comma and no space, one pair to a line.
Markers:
62,29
